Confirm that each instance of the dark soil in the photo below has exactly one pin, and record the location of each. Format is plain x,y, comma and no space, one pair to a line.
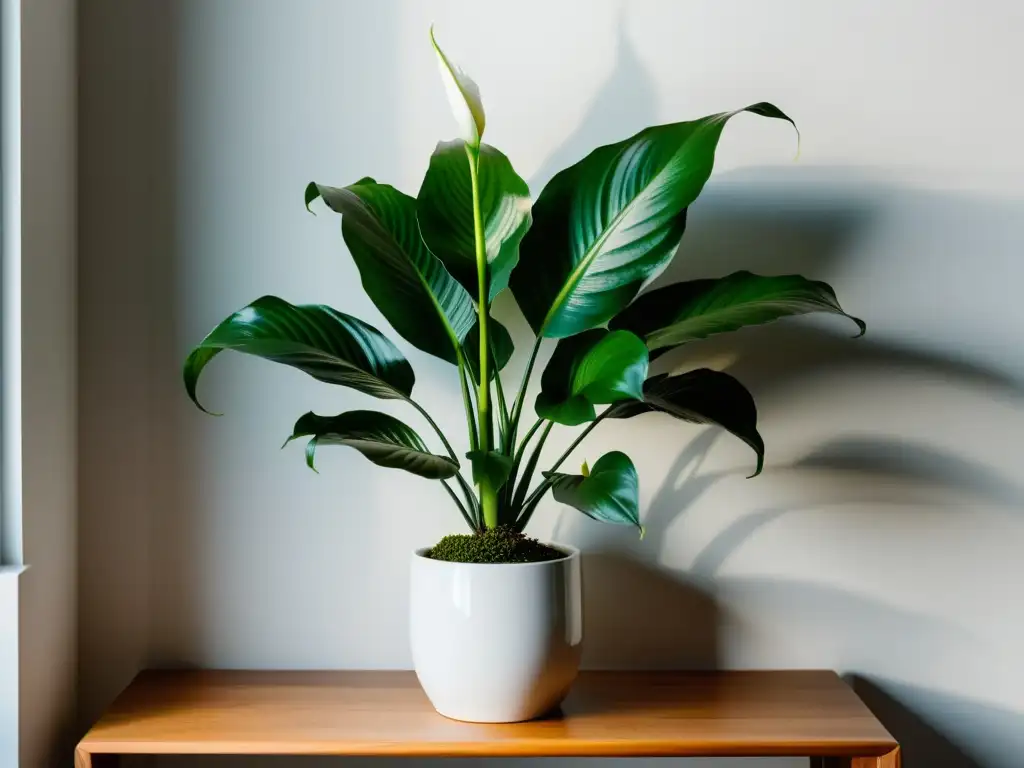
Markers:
499,545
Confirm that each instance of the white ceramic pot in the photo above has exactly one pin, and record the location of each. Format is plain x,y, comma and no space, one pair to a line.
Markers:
496,643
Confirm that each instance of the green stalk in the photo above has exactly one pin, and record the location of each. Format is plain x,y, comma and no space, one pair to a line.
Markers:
577,441
517,407
488,494
503,421
471,502
508,491
526,439
467,401
437,429
465,515
530,503
518,500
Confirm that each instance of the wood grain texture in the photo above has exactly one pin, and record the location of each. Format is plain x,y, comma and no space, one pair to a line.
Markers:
640,714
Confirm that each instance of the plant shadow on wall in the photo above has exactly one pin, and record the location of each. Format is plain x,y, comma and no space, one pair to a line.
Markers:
819,222
641,613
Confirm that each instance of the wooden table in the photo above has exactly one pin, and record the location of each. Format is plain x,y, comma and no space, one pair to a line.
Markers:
608,714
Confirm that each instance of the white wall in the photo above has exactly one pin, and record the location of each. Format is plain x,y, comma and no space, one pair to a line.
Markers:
883,539
47,618
127,111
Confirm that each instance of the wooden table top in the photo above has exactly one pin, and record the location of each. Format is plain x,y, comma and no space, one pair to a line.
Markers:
650,714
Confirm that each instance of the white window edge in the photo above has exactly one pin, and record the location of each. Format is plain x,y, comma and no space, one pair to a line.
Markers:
11,539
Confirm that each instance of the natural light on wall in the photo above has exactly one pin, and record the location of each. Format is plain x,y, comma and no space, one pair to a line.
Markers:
10,376
10,287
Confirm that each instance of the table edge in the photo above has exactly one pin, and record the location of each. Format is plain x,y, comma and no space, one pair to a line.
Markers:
96,744
527,748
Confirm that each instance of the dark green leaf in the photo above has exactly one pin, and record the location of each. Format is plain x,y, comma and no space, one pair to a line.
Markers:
381,438
592,368
605,225
407,283
490,467
325,343
501,348
611,493
444,207
702,396
679,313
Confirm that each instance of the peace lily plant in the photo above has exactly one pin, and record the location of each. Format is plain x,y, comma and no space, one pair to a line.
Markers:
575,260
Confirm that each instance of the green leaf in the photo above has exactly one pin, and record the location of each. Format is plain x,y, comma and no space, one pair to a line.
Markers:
407,283
381,438
490,467
605,225
501,348
323,342
610,493
702,396
679,313
444,207
592,368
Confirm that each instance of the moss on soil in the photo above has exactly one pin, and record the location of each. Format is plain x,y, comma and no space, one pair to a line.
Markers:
499,545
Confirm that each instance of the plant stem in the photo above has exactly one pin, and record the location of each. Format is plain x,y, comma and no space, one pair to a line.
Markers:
534,497
531,504
465,515
466,490
488,494
503,421
531,466
517,407
437,429
467,401
508,490
577,441
526,439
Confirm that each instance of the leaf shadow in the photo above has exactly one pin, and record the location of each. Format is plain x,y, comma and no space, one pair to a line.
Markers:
772,220
867,471
626,102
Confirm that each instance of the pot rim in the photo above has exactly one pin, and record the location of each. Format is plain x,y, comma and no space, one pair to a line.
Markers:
571,553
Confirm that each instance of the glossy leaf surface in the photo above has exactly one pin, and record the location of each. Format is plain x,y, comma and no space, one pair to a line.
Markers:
381,438
501,348
702,396
605,225
592,368
683,312
610,493
323,342
445,210
406,282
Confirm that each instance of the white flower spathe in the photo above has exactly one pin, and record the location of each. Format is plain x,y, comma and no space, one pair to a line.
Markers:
463,96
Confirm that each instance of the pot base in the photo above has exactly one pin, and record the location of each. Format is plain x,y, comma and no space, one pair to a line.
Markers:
551,713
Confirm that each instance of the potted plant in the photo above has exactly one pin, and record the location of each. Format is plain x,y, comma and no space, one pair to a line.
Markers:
496,620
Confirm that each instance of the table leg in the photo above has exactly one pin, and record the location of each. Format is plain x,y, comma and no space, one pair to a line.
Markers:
85,759
891,760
